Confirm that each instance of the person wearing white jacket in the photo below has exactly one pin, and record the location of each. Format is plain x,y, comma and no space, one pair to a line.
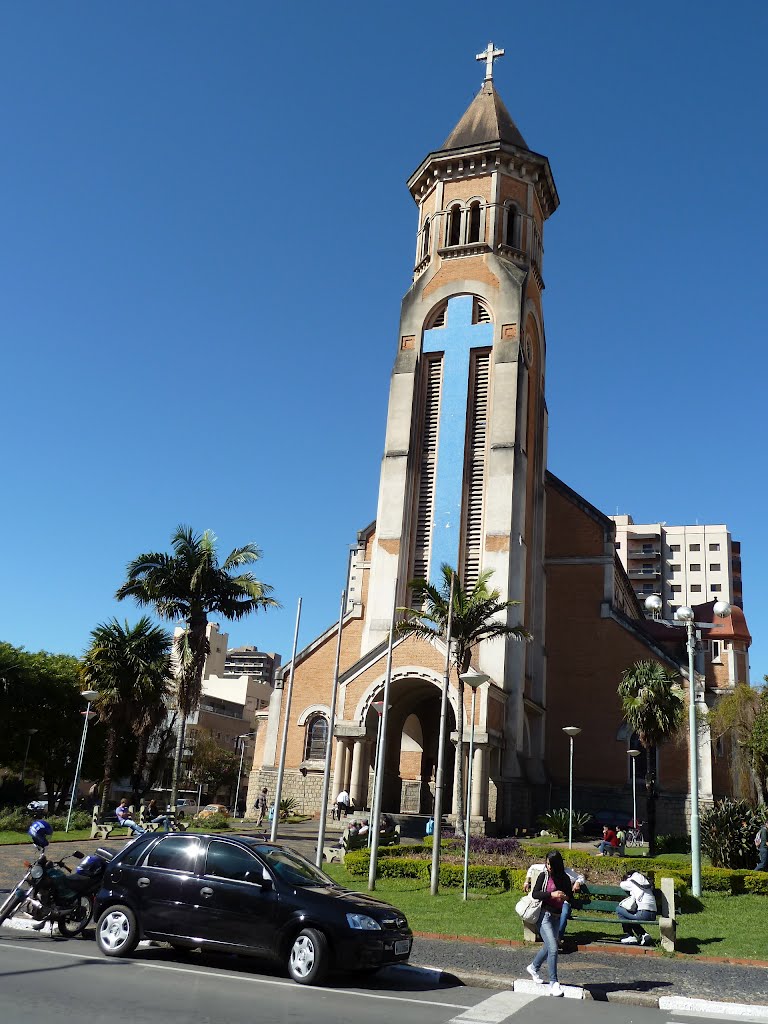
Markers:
641,894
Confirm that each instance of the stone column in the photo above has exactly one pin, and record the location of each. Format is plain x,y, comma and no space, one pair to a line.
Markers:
480,764
359,766
339,769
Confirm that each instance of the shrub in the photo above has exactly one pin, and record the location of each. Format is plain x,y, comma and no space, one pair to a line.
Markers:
556,822
728,832
287,807
756,882
673,844
16,819
212,821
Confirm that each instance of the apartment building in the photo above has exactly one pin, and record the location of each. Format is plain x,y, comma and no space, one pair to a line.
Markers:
250,661
684,565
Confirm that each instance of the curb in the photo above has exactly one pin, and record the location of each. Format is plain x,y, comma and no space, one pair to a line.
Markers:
627,997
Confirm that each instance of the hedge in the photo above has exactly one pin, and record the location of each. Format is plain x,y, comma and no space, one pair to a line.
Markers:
399,862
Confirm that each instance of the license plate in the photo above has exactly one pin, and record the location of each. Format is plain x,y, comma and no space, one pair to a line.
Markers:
402,946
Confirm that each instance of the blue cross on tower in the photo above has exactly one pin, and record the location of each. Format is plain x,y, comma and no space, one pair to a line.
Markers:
455,340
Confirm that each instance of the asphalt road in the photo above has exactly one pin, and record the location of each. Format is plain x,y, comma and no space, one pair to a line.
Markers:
43,979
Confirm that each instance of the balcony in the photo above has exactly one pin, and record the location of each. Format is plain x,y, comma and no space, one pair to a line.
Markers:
640,553
644,574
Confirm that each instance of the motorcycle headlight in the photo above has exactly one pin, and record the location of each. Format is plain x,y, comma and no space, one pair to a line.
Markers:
36,872
361,922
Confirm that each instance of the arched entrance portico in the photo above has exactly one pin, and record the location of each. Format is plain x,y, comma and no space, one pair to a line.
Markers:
411,746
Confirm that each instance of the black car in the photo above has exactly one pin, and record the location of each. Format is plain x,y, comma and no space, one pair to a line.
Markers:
237,894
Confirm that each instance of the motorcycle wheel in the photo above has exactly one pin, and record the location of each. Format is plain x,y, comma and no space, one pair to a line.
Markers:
79,918
11,905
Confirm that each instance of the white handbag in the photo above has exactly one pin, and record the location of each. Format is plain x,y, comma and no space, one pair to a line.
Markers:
529,909
630,904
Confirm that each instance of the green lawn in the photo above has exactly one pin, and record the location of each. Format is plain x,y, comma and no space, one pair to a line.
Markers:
715,925
21,838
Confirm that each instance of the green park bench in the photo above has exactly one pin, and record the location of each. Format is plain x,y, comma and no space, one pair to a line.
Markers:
596,904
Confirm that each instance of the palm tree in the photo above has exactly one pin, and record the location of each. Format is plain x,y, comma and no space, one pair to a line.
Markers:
189,585
478,614
652,704
131,668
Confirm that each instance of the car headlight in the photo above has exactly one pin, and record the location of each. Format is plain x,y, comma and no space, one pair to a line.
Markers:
361,922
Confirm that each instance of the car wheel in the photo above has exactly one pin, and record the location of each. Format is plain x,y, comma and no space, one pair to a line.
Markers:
308,958
79,919
117,933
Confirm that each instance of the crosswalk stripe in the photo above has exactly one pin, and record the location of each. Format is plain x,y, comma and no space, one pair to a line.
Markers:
495,1008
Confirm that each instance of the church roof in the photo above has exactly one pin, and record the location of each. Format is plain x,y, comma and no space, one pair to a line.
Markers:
486,119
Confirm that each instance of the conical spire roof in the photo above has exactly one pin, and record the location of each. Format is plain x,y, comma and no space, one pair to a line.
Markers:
485,120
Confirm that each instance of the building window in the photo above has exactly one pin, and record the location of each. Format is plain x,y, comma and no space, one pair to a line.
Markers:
454,226
674,567
674,547
509,227
695,566
716,647
716,588
714,567
316,738
425,238
695,588
714,547
474,223
673,608
647,588
694,547
676,588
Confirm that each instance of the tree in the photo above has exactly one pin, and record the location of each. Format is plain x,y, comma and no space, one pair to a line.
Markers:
652,704
188,586
40,691
210,764
742,716
478,614
130,667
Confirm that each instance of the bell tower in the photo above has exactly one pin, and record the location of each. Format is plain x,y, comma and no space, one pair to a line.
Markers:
462,478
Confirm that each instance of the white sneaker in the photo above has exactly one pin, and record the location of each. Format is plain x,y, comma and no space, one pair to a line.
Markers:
646,940
556,989
535,974
629,940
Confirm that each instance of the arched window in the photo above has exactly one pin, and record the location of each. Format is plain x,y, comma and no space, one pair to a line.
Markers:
510,226
316,738
425,238
474,223
454,226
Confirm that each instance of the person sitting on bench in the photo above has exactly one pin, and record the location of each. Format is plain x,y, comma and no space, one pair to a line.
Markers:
641,896
124,818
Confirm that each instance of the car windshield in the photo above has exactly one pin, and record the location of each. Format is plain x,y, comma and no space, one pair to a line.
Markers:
292,867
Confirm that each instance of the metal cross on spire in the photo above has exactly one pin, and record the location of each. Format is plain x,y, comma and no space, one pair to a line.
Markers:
489,55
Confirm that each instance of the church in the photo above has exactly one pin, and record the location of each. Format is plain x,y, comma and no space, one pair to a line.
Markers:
464,481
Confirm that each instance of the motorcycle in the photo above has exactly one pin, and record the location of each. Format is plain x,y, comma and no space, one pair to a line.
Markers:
51,892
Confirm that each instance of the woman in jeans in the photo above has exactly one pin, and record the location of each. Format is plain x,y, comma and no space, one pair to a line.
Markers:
553,887
641,892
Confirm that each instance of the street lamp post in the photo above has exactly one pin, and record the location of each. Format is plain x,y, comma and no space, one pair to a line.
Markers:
89,696
474,680
30,734
634,754
684,616
241,740
570,731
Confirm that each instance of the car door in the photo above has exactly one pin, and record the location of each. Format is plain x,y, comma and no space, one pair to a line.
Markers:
236,902
163,884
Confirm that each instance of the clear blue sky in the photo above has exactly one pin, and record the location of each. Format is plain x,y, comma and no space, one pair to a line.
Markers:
205,236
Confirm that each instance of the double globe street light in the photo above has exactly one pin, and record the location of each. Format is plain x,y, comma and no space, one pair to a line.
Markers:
684,616
474,680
